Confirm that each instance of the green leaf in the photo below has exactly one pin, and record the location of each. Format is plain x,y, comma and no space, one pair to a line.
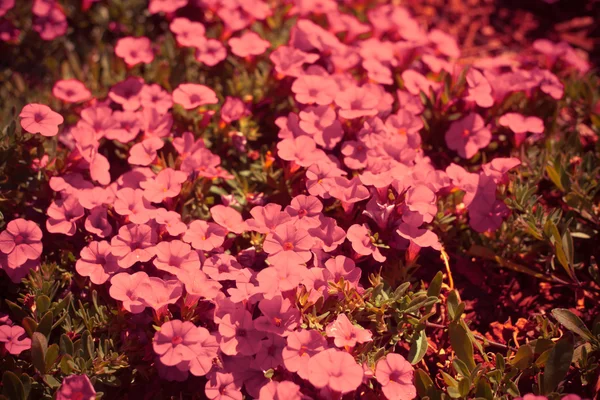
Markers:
29,325
464,386
418,348
12,387
461,344
39,347
484,390
51,356
524,357
573,323
66,345
453,302
45,324
422,382
555,177
42,304
558,363
552,231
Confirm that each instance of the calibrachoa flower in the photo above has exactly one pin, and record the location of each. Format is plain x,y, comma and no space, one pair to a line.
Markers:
336,370
175,256
135,50
396,377
76,387
134,243
21,241
176,341
71,91
97,262
167,184
249,44
204,235
345,334
124,287
466,136
15,339
38,118
191,95
238,335
301,346
288,244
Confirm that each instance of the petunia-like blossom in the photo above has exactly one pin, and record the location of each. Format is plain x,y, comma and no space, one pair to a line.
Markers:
127,93
467,135
222,267
5,6
360,237
346,334
356,102
131,203
39,118
154,96
128,126
223,386
71,91
280,390
15,339
328,235
21,241
288,61
155,124
76,387
395,375
204,235
416,83
204,353
238,335
187,33
157,293
124,287
145,152
171,221
316,175
133,243
191,95
97,262
249,44
134,50
97,222
63,215
288,244
165,185
279,316
198,285
211,52
176,341
228,218
314,89
51,25
175,256
305,211
520,125
343,267
166,6
266,219
301,346
336,370
301,150
479,89
233,109
280,278
269,354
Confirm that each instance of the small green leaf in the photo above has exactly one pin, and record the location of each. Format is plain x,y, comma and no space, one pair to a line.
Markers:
524,357
39,347
573,323
555,177
66,345
464,386
51,356
453,302
461,344
29,325
12,387
422,382
45,324
558,363
42,304
418,348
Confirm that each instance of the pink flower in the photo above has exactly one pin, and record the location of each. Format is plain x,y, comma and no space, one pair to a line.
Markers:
166,6
279,316
21,241
204,235
328,235
360,237
445,43
166,184
316,176
222,267
479,89
5,6
228,218
97,262
521,124
343,267
532,396
131,203
71,91
249,44
301,346
127,128
176,341
416,83
97,222
127,93
15,339
311,89
346,334
144,153
134,243
356,102
187,33
124,287
301,150
205,352
420,237
51,25
155,124
233,109
238,335
154,96
467,135
288,61
288,245
63,215
335,370
171,220
191,95
198,285
76,387
134,50
223,386
38,118
211,52
282,390
266,219
347,190
280,278
305,211
158,294
395,375
175,256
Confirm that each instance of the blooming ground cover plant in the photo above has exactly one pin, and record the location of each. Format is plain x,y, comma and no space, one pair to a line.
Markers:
253,199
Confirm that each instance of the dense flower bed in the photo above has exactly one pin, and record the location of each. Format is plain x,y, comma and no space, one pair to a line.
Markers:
232,199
